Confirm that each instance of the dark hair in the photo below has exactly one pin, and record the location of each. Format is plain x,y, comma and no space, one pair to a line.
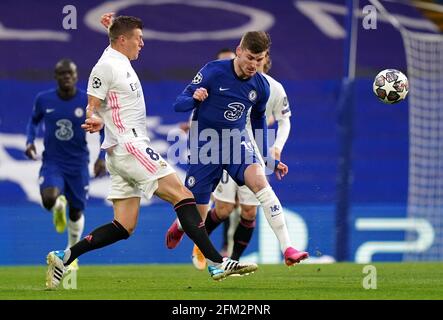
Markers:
123,25
224,50
256,41
268,64
65,62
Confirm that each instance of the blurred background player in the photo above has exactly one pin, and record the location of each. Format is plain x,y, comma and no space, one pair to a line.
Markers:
116,102
218,96
64,175
240,203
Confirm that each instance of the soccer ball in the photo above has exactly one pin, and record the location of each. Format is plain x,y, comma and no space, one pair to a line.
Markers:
391,86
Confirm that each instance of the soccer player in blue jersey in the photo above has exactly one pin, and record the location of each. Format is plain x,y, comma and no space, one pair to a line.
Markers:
64,175
221,95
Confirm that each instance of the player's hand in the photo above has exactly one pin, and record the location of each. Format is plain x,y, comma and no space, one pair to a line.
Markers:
275,153
106,19
93,124
31,152
281,170
185,126
200,94
100,168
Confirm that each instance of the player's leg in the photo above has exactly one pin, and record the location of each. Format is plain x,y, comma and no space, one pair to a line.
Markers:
123,225
200,180
245,227
76,190
173,191
255,179
213,220
126,203
51,191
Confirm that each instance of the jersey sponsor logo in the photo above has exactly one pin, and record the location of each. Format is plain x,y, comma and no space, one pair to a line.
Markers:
252,95
197,79
96,82
50,110
285,101
235,112
223,89
191,181
79,112
134,86
65,131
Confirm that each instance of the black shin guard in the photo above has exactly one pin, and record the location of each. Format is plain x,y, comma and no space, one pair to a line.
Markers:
100,237
194,227
242,236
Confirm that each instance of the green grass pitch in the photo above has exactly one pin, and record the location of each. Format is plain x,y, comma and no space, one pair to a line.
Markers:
183,282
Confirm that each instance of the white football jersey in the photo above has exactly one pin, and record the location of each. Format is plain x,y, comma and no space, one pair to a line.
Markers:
114,81
278,104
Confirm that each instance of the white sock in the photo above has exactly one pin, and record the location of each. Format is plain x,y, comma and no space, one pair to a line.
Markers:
75,230
274,214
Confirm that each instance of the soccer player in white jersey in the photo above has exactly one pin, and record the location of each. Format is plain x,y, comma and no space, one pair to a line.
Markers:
116,101
227,194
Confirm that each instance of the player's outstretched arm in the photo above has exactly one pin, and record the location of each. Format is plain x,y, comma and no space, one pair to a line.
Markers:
93,122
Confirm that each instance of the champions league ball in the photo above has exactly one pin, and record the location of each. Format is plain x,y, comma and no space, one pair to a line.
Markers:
391,86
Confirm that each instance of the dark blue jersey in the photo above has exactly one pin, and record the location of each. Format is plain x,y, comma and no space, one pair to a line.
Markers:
64,139
229,98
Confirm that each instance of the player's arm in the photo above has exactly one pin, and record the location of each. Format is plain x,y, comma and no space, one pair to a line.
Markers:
259,125
282,114
100,163
195,92
99,83
93,122
284,127
31,130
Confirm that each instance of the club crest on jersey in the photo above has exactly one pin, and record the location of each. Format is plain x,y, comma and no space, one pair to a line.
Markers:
252,95
235,112
96,83
191,181
79,112
197,79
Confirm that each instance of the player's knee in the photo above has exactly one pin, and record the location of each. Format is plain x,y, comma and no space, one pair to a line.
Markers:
49,197
48,201
183,193
224,209
249,212
75,214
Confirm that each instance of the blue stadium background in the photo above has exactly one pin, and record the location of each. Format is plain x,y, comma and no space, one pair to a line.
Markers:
308,60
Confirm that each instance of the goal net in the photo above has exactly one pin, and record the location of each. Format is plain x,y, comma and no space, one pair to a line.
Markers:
424,53
424,56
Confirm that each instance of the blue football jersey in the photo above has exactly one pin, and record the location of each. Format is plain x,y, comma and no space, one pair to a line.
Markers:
229,97
64,139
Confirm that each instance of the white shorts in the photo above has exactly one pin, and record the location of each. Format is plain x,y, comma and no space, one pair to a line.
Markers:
135,169
227,189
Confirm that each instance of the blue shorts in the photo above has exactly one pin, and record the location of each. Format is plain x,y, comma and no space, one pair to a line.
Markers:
202,179
73,183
